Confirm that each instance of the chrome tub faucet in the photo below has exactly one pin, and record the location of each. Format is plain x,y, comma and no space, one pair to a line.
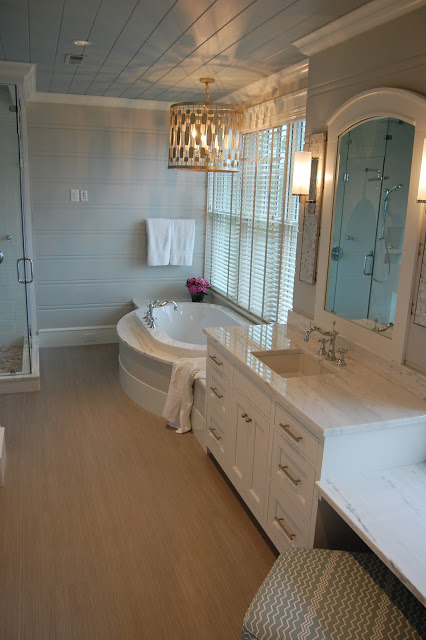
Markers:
149,318
331,355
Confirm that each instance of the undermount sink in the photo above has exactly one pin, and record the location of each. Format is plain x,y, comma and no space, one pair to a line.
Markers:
290,363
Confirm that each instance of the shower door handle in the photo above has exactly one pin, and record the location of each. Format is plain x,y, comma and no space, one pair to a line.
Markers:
25,281
368,255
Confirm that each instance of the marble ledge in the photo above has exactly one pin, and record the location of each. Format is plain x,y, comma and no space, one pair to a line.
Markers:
130,334
396,531
342,400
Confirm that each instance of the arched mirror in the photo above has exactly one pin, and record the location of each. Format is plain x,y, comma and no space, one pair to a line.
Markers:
369,215
370,226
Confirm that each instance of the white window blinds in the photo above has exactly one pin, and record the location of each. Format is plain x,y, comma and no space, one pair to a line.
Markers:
252,224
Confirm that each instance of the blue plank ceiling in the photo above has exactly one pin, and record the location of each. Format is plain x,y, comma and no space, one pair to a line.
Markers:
158,50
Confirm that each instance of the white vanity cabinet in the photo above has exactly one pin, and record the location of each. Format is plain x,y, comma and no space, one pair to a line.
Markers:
218,377
267,454
293,458
350,435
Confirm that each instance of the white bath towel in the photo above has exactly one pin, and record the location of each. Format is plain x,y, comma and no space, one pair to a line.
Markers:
180,396
182,241
158,231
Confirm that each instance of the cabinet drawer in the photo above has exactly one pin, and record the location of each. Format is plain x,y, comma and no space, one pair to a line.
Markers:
217,392
218,361
259,399
216,436
293,474
296,434
284,525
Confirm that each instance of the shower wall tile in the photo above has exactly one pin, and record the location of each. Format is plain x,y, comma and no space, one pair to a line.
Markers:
90,258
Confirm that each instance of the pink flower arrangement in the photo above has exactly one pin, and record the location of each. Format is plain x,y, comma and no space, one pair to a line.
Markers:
198,285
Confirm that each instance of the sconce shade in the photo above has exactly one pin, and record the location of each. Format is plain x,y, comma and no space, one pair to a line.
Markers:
205,136
301,173
421,196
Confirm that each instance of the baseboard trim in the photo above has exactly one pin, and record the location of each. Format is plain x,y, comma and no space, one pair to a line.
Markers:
77,336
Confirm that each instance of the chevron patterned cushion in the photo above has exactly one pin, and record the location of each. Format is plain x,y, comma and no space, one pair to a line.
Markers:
317,594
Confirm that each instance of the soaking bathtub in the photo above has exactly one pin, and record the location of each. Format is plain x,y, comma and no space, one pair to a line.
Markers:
146,356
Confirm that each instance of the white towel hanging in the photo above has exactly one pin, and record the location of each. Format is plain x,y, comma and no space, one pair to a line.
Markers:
180,396
158,231
182,241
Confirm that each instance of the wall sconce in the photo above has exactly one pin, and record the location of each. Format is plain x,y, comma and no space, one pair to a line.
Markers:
421,196
302,173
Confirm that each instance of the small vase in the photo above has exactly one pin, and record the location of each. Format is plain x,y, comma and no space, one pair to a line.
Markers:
197,297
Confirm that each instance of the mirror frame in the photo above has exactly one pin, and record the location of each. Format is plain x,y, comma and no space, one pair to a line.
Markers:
377,103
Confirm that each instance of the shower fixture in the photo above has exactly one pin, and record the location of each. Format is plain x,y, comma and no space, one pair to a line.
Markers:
382,235
385,208
379,177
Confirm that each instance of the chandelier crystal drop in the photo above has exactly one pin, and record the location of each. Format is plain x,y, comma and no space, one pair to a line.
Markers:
205,136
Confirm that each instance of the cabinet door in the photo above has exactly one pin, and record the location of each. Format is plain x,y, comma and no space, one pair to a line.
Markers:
257,464
240,440
249,453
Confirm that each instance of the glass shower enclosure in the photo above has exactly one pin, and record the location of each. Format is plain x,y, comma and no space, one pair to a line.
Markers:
16,269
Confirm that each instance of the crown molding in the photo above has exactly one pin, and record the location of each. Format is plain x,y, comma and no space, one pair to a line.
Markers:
370,15
272,113
19,73
265,85
99,101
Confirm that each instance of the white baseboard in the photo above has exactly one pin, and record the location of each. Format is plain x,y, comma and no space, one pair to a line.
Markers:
75,336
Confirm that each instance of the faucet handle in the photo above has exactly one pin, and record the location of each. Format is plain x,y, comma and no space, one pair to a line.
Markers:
322,350
341,360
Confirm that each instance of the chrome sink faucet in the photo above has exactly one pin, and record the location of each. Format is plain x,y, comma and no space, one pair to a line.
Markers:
149,318
332,339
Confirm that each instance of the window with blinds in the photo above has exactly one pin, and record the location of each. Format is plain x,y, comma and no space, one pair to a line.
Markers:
252,224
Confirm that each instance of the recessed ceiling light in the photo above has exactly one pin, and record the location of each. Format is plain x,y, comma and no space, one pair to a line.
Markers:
81,43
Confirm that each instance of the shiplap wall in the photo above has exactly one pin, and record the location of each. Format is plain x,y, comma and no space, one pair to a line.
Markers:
90,258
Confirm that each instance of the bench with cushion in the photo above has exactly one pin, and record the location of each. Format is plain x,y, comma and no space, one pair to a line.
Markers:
321,594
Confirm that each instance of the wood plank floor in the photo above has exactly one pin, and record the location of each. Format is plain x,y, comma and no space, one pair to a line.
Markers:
113,526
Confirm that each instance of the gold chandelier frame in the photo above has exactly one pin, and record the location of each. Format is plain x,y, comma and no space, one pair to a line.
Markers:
205,136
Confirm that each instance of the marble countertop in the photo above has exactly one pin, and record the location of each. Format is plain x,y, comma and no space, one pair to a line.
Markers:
387,510
343,399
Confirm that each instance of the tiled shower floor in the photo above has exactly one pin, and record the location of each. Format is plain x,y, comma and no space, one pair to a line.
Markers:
11,359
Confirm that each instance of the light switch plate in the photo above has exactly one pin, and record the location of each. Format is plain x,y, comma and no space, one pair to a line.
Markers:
84,195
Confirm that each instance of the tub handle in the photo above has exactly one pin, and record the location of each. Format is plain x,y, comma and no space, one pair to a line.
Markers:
218,438
216,393
216,361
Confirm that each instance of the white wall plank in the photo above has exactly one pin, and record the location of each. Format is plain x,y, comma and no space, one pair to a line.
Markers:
90,258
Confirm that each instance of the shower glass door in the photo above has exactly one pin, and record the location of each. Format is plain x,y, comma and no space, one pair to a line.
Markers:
15,269
370,204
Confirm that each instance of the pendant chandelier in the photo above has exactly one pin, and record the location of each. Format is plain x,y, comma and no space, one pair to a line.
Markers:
205,136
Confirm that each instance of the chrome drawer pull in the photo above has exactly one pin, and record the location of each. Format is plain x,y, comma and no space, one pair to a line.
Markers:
218,438
289,535
286,428
216,393
284,470
216,361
